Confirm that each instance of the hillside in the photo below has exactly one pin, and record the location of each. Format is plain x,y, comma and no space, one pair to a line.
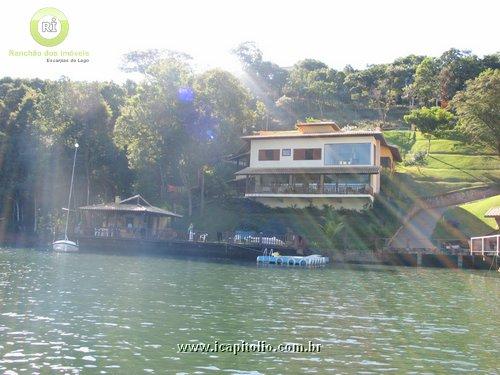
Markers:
451,164
467,220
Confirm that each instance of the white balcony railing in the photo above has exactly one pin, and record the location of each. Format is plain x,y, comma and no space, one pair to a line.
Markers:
485,245
311,188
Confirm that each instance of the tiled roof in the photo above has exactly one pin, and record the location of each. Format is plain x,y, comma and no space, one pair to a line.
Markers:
493,212
394,151
296,133
141,205
319,123
370,169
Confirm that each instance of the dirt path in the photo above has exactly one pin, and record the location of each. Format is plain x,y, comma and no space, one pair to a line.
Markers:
423,217
417,232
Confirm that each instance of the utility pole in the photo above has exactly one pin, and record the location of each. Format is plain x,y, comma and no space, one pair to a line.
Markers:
202,191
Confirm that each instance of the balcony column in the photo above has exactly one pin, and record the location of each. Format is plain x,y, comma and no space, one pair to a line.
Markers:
321,183
290,182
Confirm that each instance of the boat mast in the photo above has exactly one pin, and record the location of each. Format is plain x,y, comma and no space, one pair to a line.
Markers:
70,192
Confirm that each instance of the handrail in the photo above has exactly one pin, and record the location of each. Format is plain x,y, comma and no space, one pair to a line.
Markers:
490,236
486,247
347,188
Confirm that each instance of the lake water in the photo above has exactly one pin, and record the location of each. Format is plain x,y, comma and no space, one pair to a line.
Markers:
88,313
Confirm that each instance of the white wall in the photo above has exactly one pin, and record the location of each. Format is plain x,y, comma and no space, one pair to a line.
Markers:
309,142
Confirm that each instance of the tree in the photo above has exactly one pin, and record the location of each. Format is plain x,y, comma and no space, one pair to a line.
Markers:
141,61
76,111
149,129
314,86
457,67
180,124
401,75
264,78
428,120
18,156
375,87
478,109
426,82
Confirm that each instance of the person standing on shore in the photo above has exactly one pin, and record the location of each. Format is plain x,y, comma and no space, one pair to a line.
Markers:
191,232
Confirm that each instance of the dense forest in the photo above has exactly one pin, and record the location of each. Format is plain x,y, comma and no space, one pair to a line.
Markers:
165,133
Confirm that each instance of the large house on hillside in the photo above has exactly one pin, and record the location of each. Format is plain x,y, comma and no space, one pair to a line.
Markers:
315,165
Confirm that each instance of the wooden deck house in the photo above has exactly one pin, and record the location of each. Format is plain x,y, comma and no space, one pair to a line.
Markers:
133,218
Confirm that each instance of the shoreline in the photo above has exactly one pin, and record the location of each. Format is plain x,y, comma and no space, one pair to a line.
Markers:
210,251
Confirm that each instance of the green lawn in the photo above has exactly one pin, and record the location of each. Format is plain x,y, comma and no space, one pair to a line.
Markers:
452,164
479,208
410,141
467,220
439,175
460,161
448,146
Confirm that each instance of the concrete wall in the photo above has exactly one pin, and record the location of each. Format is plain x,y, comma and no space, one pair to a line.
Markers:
345,202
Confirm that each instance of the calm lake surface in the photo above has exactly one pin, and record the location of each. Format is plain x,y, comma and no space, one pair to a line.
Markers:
90,313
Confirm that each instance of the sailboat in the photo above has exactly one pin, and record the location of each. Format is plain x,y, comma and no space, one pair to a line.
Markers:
66,245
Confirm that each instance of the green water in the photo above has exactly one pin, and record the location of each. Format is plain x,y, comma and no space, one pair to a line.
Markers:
87,313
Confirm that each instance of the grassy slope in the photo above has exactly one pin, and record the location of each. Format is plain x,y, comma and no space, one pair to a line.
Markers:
479,208
467,220
452,165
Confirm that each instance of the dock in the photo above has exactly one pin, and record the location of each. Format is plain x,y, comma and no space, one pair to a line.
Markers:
286,260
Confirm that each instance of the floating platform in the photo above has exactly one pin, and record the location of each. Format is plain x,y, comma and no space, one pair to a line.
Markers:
287,260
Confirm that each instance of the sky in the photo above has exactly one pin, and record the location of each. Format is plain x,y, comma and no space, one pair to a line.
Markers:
338,32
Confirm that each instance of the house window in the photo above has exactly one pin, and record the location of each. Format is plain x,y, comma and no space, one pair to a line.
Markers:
307,154
348,154
269,155
286,152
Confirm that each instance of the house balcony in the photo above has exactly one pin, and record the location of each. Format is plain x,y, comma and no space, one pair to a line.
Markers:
307,190
338,181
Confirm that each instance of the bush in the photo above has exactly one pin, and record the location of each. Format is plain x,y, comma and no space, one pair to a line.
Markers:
417,159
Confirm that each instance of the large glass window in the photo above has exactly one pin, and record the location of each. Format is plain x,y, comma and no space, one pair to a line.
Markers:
348,154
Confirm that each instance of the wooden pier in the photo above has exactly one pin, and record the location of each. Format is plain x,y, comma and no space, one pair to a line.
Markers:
237,250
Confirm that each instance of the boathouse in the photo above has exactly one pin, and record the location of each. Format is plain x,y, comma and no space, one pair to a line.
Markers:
133,217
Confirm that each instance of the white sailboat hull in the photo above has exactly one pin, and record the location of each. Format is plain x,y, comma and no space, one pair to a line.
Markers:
64,246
